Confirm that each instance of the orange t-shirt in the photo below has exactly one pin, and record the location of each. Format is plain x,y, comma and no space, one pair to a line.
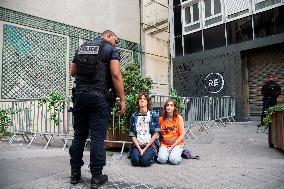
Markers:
170,131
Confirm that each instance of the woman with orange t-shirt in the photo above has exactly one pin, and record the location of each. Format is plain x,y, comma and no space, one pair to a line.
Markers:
172,134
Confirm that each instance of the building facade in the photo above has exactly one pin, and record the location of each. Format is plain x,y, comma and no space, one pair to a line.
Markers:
156,56
226,48
39,38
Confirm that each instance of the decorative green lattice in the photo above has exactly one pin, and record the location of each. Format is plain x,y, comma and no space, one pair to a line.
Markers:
73,33
34,63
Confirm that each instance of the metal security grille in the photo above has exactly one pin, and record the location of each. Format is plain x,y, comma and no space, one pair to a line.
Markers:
260,63
34,63
233,7
126,57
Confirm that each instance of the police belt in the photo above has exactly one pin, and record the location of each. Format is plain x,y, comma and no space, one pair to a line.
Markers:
89,88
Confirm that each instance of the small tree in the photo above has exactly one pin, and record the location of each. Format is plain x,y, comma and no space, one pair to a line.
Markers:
134,83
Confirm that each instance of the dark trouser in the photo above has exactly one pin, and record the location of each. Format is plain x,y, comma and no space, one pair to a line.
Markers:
267,102
146,160
91,115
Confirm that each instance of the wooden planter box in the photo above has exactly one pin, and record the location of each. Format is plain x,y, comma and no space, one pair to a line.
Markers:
276,130
115,139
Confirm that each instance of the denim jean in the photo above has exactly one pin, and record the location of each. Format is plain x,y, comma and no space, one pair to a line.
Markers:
146,160
91,115
174,157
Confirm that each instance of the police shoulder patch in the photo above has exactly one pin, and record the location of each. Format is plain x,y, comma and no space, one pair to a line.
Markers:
88,50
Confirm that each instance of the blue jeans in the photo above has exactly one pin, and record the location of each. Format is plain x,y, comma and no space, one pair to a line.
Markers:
146,160
91,115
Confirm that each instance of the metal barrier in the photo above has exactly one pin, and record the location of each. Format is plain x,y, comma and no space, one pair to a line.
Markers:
32,118
202,110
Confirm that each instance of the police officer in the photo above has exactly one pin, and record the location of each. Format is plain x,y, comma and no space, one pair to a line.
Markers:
96,69
270,91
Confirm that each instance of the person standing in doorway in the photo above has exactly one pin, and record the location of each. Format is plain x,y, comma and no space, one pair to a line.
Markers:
269,91
98,79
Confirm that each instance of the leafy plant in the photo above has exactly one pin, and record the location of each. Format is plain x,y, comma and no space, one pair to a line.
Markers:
178,99
5,120
269,112
56,103
134,83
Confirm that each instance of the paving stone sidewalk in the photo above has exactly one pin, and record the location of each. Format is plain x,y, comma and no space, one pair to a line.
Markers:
235,156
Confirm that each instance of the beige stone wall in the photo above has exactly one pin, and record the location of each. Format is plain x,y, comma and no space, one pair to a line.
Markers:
156,44
121,16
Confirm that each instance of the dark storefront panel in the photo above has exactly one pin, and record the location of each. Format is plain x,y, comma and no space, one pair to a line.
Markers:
193,42
239,30
178,46
218,75
260,63
214,37
176,2
268,23
177,21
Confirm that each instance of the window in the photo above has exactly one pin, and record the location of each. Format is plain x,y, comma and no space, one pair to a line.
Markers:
236,9
193,42
214,37
263,4
191,15
239,30
212,12
269,22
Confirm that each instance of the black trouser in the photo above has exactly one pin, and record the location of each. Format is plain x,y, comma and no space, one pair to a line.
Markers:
91,115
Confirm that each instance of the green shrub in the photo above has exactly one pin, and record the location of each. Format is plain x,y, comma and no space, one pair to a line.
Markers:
269,112
134,83
5,120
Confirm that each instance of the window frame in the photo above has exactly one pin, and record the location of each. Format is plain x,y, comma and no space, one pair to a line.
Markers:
222,13
227,19
190,4
254,2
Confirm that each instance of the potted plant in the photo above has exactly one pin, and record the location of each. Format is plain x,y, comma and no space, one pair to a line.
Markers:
134,83
274,121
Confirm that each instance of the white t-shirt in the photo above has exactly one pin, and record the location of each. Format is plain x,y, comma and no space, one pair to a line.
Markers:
143,129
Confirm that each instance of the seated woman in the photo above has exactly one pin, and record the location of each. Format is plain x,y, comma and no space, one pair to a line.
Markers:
172,134
144,129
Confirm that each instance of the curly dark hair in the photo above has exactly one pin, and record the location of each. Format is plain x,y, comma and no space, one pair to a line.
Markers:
175,113
149,102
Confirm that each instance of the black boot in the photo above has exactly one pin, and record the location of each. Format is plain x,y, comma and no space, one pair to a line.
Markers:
96,182
75,175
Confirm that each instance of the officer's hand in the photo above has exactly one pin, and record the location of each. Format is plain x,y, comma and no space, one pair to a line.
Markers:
122,108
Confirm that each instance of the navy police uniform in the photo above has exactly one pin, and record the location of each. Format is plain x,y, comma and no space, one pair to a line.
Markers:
92,102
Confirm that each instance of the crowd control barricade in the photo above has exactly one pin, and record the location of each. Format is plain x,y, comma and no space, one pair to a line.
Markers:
223,110
158,102
30,117
197,112
205,110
